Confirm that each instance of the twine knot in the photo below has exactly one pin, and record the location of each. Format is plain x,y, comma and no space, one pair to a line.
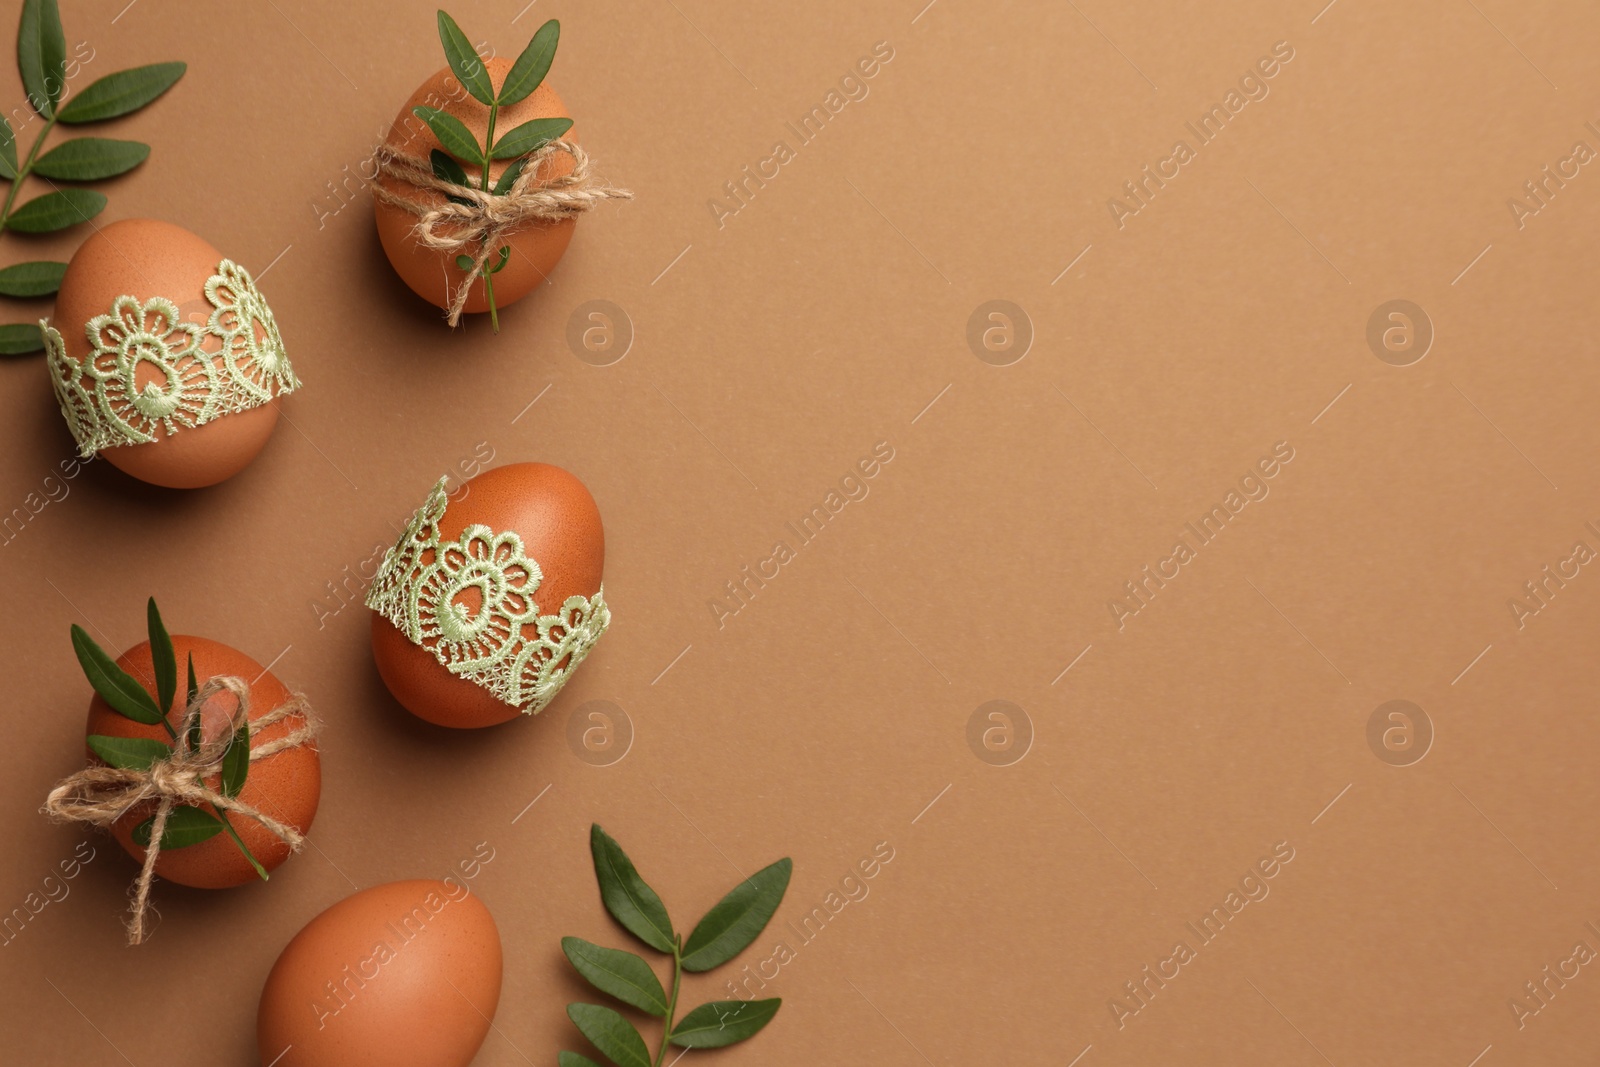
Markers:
102,795
475,217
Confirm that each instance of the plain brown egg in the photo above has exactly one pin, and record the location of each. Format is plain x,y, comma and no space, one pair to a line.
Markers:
146,258
535,249
399,975
286,785
560,529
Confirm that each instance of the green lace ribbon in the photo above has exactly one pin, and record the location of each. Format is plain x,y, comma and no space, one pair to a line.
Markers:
233,363
470,603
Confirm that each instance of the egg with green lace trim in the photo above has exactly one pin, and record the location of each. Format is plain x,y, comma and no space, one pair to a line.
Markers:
491,597
164,356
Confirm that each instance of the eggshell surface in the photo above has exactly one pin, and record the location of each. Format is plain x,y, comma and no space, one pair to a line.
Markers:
535,248
400,975
147,258
286,785
559,524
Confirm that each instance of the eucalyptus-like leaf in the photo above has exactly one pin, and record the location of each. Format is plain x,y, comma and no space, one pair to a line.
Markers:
572,1059
88,159
626,896
451,131
622,974
446,168
728,928
236,761
530,136
509,177
193,688
609,1032
20,338
464,262
116,686
128,753
464,60
185,826
8,149
162,657
122,92
41,277
56,211
532,65
724,1022
42,54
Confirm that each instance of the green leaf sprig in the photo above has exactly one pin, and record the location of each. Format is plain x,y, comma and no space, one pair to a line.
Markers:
517,144
727,930
42,57
131,699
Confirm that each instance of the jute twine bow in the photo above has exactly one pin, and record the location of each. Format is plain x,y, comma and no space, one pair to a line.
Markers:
102,795
488,217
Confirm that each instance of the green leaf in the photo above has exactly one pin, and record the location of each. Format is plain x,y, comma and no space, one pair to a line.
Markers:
239,841
622,974
724,1022
446,168
8,149
195,731
236,761
609,1032
194,687
129,753
116,686
464,60
629,900
452,133
572,1059
56,211
122,92
87,159
530,136
18,339
728,928
509,177
162,658
38,278
42,55
464,262
532,65
185,826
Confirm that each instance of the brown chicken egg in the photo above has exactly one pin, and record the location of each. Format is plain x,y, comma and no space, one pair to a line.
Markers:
285,785
399,975
464,627
535,248
164,357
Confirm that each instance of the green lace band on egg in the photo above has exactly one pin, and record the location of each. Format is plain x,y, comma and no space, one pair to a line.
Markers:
189,378
470,603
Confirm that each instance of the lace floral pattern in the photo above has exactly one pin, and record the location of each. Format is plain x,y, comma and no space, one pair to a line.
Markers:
191,374
470,603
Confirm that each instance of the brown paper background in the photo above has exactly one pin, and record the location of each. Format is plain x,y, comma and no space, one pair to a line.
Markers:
829,713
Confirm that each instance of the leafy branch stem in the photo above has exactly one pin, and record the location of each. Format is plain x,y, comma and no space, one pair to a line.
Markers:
672,1004
488,156
23,171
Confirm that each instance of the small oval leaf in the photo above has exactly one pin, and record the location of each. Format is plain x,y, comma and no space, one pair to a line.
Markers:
185,826
530,136
116,686
122,92
8,150
532,65
622,974
445,167
128,753
18,339
56,211
452,133
464,60
626,896
728,928
42,54
609,1032
88,159
38,278
724,1022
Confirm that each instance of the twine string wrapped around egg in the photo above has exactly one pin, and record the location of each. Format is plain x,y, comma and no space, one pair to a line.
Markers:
487,217
102,795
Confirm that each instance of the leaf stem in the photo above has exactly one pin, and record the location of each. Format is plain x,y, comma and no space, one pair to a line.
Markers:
672,1004
22,173
228,826
488,157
